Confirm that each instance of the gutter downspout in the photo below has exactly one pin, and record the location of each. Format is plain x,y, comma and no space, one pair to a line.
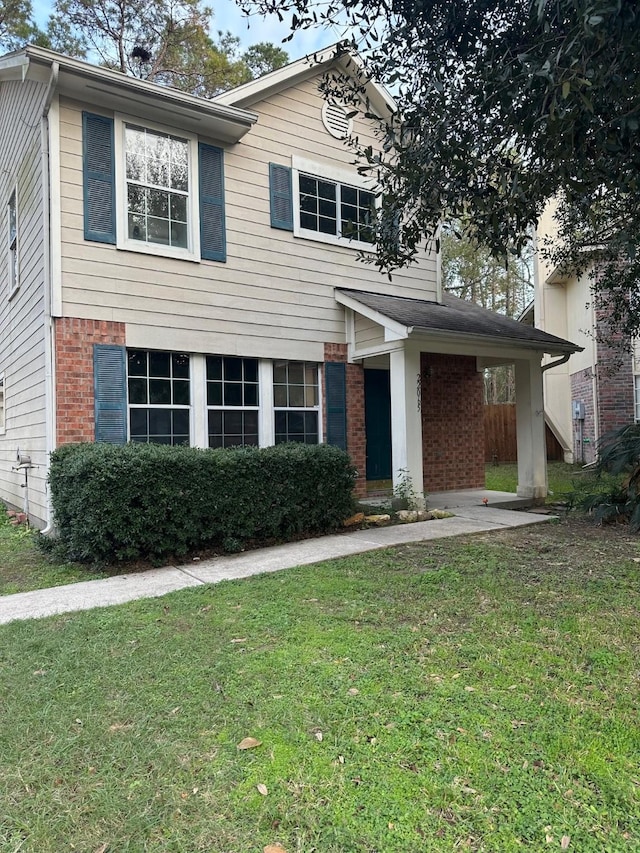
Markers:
49,359
563,360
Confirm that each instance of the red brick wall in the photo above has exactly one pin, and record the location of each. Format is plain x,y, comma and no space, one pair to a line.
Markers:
584,448
356,438
74,340
452,422
615,388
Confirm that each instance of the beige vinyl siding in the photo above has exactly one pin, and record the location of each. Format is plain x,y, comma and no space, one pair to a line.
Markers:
368,333
22,317
274,295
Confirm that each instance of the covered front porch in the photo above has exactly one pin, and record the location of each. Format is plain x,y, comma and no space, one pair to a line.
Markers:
421,367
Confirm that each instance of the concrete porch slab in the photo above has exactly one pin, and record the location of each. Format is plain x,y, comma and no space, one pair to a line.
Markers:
475,497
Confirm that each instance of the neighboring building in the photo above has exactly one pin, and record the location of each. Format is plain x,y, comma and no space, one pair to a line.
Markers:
186,271
599,389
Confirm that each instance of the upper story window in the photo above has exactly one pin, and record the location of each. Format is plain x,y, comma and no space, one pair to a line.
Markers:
156,172
157,177
337,209
149,189
332,205
12,223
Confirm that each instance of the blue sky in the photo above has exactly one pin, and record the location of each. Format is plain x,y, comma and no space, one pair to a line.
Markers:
257,29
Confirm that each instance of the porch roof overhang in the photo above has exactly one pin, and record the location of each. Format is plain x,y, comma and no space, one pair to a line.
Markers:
452,319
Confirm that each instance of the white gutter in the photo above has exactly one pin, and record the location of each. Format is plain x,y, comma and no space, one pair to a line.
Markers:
46,144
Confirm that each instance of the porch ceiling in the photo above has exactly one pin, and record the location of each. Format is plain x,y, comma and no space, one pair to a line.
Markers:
455,318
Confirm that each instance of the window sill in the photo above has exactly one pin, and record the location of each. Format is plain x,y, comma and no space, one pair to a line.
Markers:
158,250
332,240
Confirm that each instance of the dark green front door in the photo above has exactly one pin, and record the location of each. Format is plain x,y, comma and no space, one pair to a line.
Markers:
377,422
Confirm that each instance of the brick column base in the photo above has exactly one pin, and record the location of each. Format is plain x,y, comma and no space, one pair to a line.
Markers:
74,340
356,437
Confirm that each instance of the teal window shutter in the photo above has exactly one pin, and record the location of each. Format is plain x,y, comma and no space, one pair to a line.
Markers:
335,378
281,197
110,392
98,168
213,240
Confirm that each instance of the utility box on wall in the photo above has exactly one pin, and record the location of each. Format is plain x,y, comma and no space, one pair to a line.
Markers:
577,409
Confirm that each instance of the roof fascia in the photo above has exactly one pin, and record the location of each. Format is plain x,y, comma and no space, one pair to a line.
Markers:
77,77
504,342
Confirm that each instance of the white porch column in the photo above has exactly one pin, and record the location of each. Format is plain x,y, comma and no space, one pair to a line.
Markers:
530,429
406,420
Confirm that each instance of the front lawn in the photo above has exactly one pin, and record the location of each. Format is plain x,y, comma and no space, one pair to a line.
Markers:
476,694
562,477
23,567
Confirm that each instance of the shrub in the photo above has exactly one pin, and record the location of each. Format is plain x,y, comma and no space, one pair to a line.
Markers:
615,495
152,501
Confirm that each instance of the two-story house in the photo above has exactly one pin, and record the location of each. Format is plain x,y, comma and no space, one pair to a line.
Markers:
186,271
599,389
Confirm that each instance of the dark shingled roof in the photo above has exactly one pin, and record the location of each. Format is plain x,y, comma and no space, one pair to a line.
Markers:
460,317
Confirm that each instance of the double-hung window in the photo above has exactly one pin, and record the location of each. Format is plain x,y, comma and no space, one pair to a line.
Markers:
296,401
158,207
157,174
159,397
333,207
12,223
232,401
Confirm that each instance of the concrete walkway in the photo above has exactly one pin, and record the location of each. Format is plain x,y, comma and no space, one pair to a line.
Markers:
158,582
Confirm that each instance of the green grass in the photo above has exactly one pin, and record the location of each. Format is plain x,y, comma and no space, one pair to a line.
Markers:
562,477
475,694
23,567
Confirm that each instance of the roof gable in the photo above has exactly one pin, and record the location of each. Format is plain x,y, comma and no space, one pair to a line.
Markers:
336,56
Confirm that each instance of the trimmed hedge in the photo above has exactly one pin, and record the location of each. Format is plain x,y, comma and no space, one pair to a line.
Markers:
151,501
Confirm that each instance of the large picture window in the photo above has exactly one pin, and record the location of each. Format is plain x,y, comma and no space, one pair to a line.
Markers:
232,401
159,397
296,401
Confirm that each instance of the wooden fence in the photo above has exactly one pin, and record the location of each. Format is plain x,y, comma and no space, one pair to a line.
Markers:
500,444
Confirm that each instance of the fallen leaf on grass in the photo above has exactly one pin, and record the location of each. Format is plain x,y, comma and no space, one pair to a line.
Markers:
238,640
262,789
118,727
318,736
564,842
102,849
353,691
274,848
249,743
40,672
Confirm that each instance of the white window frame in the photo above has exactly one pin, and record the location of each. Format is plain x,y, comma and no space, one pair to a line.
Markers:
192,252
243,408
317,409
3,404
331,173
13,246
169,406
